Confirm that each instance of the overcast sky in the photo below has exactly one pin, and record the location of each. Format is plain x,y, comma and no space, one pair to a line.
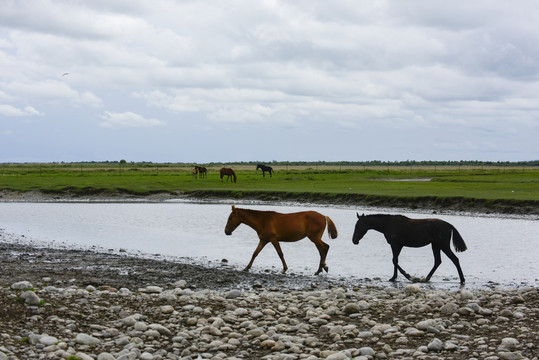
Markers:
217,81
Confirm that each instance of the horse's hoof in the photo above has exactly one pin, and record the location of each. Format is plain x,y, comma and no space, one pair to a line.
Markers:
326,268
246,269
392,279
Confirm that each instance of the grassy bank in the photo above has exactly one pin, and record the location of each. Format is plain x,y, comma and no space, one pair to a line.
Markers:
487,189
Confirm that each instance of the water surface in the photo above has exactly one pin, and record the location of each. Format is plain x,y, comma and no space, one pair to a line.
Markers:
500,250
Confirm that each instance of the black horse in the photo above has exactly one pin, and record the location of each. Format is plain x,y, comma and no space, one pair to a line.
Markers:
401,231
264,168
202,171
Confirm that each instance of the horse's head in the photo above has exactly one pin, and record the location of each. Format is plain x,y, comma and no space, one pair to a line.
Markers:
233,221
360,229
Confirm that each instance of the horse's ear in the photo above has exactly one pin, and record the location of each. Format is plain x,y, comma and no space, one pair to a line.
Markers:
357,215
233,208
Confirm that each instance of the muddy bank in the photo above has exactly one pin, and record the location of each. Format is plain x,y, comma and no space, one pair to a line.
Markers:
20,260
425,203
428,203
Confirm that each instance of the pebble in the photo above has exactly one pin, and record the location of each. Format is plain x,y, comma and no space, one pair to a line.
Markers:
435,345
175,322
30,298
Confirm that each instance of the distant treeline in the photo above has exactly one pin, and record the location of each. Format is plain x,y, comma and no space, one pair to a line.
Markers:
392,163
371,163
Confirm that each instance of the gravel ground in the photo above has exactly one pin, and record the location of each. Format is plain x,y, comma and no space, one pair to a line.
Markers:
74,304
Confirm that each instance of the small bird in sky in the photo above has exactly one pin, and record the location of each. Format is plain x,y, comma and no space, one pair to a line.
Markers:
65,74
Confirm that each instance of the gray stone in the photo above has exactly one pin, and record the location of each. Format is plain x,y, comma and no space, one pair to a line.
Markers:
510,343
30,298
515,355
435,345
105,356
83,356
366,351
412,289
351,308
232,294
449,308
466,295
48,340
22,285
86,339
140,326
152,290
167,309
337,356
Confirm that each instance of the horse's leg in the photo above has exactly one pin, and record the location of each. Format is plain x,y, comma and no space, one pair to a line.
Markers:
323,249
259,248
437,261
396,252
277,247
455,259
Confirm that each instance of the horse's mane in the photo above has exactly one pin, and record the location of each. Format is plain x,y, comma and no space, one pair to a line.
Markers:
255,211
387,216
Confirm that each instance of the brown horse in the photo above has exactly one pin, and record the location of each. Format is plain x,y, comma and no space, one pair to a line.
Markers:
273,227
401,231
228,172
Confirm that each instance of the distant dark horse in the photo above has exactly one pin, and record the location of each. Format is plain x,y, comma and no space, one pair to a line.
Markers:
228,172
264,168
401,231
202,171
273,227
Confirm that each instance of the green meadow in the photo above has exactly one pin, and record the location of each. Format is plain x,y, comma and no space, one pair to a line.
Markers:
513,188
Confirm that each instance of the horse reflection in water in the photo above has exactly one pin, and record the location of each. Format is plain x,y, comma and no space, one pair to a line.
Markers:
273,227
401,231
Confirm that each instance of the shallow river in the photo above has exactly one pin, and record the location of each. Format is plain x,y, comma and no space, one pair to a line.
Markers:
501,251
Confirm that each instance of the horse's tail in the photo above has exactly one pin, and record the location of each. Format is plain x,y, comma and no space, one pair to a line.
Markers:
332,229
458,241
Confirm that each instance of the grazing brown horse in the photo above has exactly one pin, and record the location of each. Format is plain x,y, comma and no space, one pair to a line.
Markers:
273,227
401,231
228,172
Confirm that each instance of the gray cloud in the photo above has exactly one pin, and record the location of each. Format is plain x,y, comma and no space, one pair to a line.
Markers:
412,70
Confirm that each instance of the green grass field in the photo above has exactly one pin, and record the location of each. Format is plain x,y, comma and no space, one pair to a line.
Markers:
513,185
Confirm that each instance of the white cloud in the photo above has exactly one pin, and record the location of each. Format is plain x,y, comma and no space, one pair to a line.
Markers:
52,91
128,119
11,111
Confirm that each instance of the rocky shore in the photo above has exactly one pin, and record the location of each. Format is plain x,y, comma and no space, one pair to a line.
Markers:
73,304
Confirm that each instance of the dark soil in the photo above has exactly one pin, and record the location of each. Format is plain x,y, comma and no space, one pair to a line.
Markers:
25,262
